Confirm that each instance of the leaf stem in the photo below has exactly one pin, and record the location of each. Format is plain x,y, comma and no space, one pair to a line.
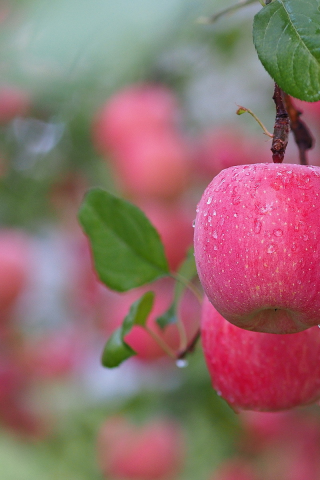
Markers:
162,344
197,293
242,110
233,8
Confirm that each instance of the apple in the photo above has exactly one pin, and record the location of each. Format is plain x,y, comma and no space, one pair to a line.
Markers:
257,246
235,469
222,148
15,266
14,102
153,451
134,109
117,307
152,164
260,371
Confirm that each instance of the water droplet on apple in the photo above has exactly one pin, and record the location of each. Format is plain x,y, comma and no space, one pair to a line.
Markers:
235,214
305,237
214,213
271,249
215,247
215,234
194,223
236,200
182,363
209,200
278,232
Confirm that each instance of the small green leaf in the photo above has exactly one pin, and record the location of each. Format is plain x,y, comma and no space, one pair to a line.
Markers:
168,318
116,349
126,247
286,34
139,312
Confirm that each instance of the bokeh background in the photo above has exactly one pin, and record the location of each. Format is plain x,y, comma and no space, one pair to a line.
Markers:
139,98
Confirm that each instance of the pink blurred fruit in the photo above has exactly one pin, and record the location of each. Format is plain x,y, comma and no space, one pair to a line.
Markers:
14,102
14,266
257,246
260,371
154,451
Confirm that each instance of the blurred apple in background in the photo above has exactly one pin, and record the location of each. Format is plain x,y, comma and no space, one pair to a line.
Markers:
257,246
260,371
14,102
137,130
15,266
153,451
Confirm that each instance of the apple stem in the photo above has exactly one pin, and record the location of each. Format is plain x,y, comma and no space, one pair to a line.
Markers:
232,8
242,110
301,132
281,127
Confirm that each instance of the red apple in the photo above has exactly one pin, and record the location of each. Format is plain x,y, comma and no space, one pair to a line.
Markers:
135,109
14,102
223,148
153,451
260,371
257,246
152,164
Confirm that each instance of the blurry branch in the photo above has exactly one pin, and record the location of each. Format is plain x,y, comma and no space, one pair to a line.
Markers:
233,8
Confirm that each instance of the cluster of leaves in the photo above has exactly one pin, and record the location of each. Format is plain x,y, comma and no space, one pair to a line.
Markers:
128,253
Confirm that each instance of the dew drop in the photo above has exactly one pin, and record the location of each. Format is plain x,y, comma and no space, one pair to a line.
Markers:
270,249
236,200
215,247
182,363
294,247
235,214
215,235
214,213
278,232
209,200
194,223
305,237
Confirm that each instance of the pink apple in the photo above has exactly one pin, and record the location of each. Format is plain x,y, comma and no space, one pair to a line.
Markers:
15,264
257,246
260,371
134,109
14,102
117,307
153,451
222,148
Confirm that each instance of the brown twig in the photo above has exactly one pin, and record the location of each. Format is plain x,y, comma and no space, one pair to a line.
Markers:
301,132
190,347
281,127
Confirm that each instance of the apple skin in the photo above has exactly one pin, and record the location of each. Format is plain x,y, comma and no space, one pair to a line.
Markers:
153,451
260,371
257,246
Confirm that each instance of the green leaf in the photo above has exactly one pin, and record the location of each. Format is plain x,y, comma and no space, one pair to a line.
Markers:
286,34
126,247
168,318
116,349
